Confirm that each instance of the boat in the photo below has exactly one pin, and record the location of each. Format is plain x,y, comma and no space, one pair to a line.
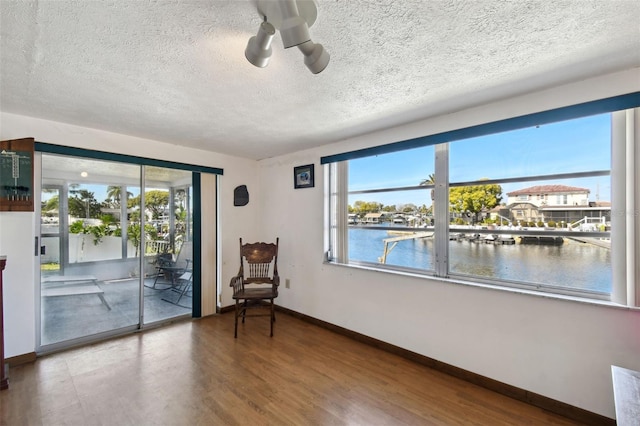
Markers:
472,237
490,238
506,239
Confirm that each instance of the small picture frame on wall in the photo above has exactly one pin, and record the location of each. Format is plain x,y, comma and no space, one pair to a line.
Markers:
303,176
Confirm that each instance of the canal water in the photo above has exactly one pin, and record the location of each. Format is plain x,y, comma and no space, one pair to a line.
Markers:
571,265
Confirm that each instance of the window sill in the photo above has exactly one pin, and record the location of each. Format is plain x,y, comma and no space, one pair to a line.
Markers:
488,286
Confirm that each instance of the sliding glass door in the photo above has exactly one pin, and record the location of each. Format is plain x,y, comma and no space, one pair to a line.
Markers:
115,240
167,287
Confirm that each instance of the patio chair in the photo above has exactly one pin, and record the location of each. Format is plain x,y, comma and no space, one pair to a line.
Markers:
170,269
256,285
185,282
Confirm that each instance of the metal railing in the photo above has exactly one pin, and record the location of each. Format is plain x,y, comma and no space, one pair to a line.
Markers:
156,246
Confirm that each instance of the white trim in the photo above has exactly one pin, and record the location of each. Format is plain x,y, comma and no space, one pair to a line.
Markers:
441,210
633,185
37,213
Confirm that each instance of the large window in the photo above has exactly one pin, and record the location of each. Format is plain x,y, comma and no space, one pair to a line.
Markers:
530,207
503,228
380,198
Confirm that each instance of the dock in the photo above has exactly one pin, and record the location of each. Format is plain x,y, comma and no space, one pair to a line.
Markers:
544,240
595,241
390,243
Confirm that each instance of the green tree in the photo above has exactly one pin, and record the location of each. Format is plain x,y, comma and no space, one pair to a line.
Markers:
431,180
114,195
475,198
409,208
82,203
181,214
364,207
134,216
180,198
134,234
156,202
133,202
51,204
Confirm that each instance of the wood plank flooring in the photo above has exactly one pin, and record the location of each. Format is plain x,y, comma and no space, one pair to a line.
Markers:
196,373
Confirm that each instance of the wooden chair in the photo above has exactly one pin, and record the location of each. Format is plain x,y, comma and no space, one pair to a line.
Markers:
257,281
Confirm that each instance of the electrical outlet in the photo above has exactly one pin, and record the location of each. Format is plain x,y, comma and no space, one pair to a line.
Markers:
287,283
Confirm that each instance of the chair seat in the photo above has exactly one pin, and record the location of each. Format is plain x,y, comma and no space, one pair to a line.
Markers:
255,293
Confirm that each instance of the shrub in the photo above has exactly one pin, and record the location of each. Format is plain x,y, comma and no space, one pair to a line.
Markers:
77,227
551,224
98,231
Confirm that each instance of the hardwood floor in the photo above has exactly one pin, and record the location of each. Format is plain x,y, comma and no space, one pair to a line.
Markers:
196,373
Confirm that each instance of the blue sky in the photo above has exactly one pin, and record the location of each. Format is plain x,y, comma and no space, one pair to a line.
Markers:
565,147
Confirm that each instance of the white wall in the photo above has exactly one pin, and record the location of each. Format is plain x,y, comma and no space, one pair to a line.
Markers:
17,243
557,348
17,229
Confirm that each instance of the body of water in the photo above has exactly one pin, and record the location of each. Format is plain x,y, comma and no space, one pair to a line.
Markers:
572,264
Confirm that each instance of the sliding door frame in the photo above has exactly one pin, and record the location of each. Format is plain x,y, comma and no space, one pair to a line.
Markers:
195,170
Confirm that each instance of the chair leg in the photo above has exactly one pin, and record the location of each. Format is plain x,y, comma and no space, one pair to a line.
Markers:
155,281
273,317
235,330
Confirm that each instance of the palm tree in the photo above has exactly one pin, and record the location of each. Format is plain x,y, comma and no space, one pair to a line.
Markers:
51,204
431,180
114,194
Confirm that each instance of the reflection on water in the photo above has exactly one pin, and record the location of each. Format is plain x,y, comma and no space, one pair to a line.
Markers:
573,264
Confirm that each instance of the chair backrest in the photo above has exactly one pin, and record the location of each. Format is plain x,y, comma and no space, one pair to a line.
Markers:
185,255
258,262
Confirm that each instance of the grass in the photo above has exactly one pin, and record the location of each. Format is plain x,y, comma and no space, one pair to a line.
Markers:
50,267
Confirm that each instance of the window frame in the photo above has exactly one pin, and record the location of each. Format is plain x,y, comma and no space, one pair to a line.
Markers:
337,237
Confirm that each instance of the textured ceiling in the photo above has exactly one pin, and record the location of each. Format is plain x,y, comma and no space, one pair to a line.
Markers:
175,71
